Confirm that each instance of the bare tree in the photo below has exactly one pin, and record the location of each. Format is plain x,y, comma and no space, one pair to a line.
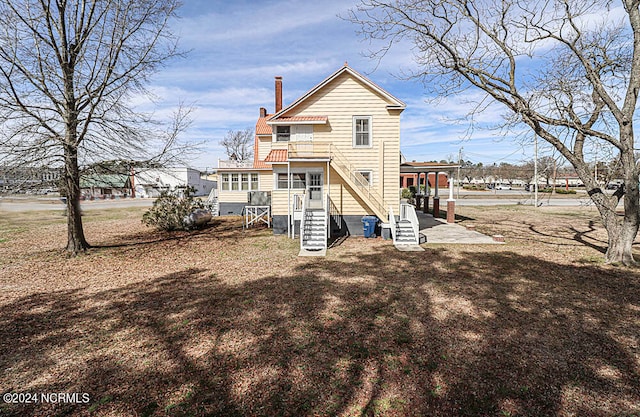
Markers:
68,72
568,70
238,144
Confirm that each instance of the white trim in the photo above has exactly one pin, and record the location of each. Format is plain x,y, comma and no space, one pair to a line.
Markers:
370,172
239,174
289,179
298,122
306,171
353,127
275,134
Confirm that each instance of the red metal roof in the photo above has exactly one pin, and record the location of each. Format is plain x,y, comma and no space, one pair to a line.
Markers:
276,155
262,128
260,165
302,119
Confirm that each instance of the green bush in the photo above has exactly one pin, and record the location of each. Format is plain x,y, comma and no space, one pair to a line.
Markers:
406,193
564,191
171,210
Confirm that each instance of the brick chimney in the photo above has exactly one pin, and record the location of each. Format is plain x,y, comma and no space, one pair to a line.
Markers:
263,112
278,94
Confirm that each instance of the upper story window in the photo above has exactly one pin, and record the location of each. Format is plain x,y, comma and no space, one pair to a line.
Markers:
283,133
361,131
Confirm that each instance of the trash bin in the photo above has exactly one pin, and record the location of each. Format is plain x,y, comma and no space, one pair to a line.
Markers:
385,231
369,224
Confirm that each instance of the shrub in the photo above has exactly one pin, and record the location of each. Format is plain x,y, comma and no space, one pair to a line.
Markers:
563,191
406,193
171,211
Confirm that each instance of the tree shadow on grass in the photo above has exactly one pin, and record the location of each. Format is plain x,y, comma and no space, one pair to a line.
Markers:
390,334
229,230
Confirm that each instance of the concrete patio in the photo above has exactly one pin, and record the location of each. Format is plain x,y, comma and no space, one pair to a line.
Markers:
439,231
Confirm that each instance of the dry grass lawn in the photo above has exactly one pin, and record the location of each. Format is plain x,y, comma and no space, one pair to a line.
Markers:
226,322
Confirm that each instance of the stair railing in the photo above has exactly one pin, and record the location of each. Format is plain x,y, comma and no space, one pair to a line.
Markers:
296,207
327,219
305,202
408,212
393,224
363,185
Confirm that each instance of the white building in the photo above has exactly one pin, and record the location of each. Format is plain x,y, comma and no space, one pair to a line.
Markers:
150,182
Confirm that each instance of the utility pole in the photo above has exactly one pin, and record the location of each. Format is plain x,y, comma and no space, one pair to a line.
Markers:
459,163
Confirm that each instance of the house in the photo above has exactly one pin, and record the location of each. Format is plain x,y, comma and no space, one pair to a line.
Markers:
29,179
413,169
150,182
324,161
95,185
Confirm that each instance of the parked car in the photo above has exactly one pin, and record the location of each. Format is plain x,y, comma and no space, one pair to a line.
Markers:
503,187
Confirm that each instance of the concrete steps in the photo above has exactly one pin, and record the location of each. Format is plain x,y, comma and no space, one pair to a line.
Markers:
314,235
404,233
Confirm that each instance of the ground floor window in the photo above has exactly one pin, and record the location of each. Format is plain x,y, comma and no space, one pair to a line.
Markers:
298,180
243,181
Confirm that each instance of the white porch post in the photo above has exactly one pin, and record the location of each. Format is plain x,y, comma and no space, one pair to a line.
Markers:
328,194
451,203
289,216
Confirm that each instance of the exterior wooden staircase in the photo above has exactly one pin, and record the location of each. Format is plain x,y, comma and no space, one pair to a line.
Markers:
358,182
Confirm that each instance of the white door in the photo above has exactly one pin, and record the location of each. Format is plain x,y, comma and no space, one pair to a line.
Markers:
314,188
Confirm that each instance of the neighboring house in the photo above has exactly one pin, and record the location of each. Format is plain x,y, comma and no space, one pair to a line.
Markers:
150,182
104,185
29,179
408,179
334,151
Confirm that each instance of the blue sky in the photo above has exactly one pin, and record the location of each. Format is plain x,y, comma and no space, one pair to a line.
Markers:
237,47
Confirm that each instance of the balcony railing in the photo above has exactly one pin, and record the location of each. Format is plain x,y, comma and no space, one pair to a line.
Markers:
310,150
234,164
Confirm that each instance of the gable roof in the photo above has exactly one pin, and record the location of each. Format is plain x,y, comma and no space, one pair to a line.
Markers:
394,102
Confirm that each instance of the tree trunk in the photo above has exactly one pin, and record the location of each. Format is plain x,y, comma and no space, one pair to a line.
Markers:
621,230
76,242
621,237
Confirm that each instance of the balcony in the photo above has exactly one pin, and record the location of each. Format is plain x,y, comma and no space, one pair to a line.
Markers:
234,164
309,150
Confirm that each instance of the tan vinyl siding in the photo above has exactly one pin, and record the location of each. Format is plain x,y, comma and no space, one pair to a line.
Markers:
264,147
345,200
342,99
266,180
